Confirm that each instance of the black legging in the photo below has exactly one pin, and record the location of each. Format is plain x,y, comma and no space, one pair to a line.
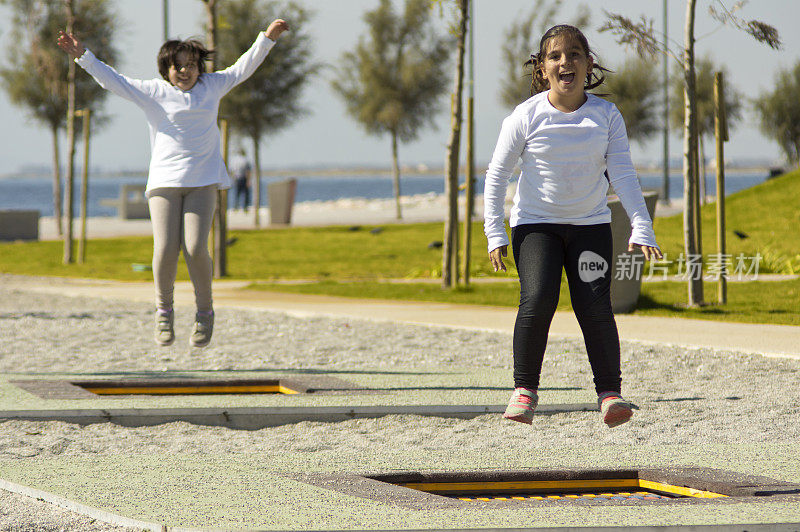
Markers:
540,253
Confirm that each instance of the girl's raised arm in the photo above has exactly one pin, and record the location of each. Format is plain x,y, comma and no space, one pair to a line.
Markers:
138,91
70,44
243,68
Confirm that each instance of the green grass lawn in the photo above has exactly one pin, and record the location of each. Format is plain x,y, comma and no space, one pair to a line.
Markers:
768,214
353,261
344,253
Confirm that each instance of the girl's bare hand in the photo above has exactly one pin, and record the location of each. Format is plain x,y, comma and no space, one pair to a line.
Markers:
70,44
275,29
650,252
496,258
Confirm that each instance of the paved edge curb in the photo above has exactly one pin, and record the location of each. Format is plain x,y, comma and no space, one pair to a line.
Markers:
249,418
758,527
83,509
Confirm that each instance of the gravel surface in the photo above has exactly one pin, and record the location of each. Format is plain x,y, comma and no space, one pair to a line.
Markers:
686,396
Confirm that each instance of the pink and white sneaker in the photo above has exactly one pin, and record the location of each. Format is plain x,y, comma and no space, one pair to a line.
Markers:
614,409
521,406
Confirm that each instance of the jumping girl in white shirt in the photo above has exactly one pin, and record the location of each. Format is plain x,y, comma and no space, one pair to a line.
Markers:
186,166
567,140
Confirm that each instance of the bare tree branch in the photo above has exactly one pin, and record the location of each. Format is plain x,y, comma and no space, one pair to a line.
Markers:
764,33
760,31
641,36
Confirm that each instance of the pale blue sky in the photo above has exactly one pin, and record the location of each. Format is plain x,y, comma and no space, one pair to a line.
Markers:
328,137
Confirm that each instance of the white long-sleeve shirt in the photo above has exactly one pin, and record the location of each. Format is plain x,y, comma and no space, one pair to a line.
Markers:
564,157
184,137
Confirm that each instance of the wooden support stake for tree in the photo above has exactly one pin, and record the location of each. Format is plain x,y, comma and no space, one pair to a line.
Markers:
396,177
256,184
721,135
221,233
470,190
665,105
469,204
86,114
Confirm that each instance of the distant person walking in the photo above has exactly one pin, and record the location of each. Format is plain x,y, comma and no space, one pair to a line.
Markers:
186,166
567,140
242,171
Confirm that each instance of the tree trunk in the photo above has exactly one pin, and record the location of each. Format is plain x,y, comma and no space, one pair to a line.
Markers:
70,185
56,181
165,11
695,285
256,183
450,245
211,32
396,177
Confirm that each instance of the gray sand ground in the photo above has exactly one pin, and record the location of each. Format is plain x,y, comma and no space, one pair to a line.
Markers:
687,396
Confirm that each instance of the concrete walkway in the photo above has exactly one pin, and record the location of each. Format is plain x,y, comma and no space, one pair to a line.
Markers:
770,340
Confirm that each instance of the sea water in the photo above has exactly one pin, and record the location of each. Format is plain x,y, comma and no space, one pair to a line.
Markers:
36,192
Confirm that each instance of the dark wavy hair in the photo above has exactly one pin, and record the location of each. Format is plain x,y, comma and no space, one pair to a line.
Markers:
539,83
168,55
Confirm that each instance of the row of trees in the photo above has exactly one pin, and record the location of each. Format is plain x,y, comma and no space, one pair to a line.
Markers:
635,88
35,76
271,99
392,82
650,45
634,85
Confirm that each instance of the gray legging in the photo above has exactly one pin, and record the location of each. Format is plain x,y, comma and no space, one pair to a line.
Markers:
181,219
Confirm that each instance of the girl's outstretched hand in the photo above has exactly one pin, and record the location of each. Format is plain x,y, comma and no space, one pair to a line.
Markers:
496,258
650,252
275,29
70,44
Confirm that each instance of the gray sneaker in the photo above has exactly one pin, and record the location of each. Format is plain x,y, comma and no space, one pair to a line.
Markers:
165,334
202,330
